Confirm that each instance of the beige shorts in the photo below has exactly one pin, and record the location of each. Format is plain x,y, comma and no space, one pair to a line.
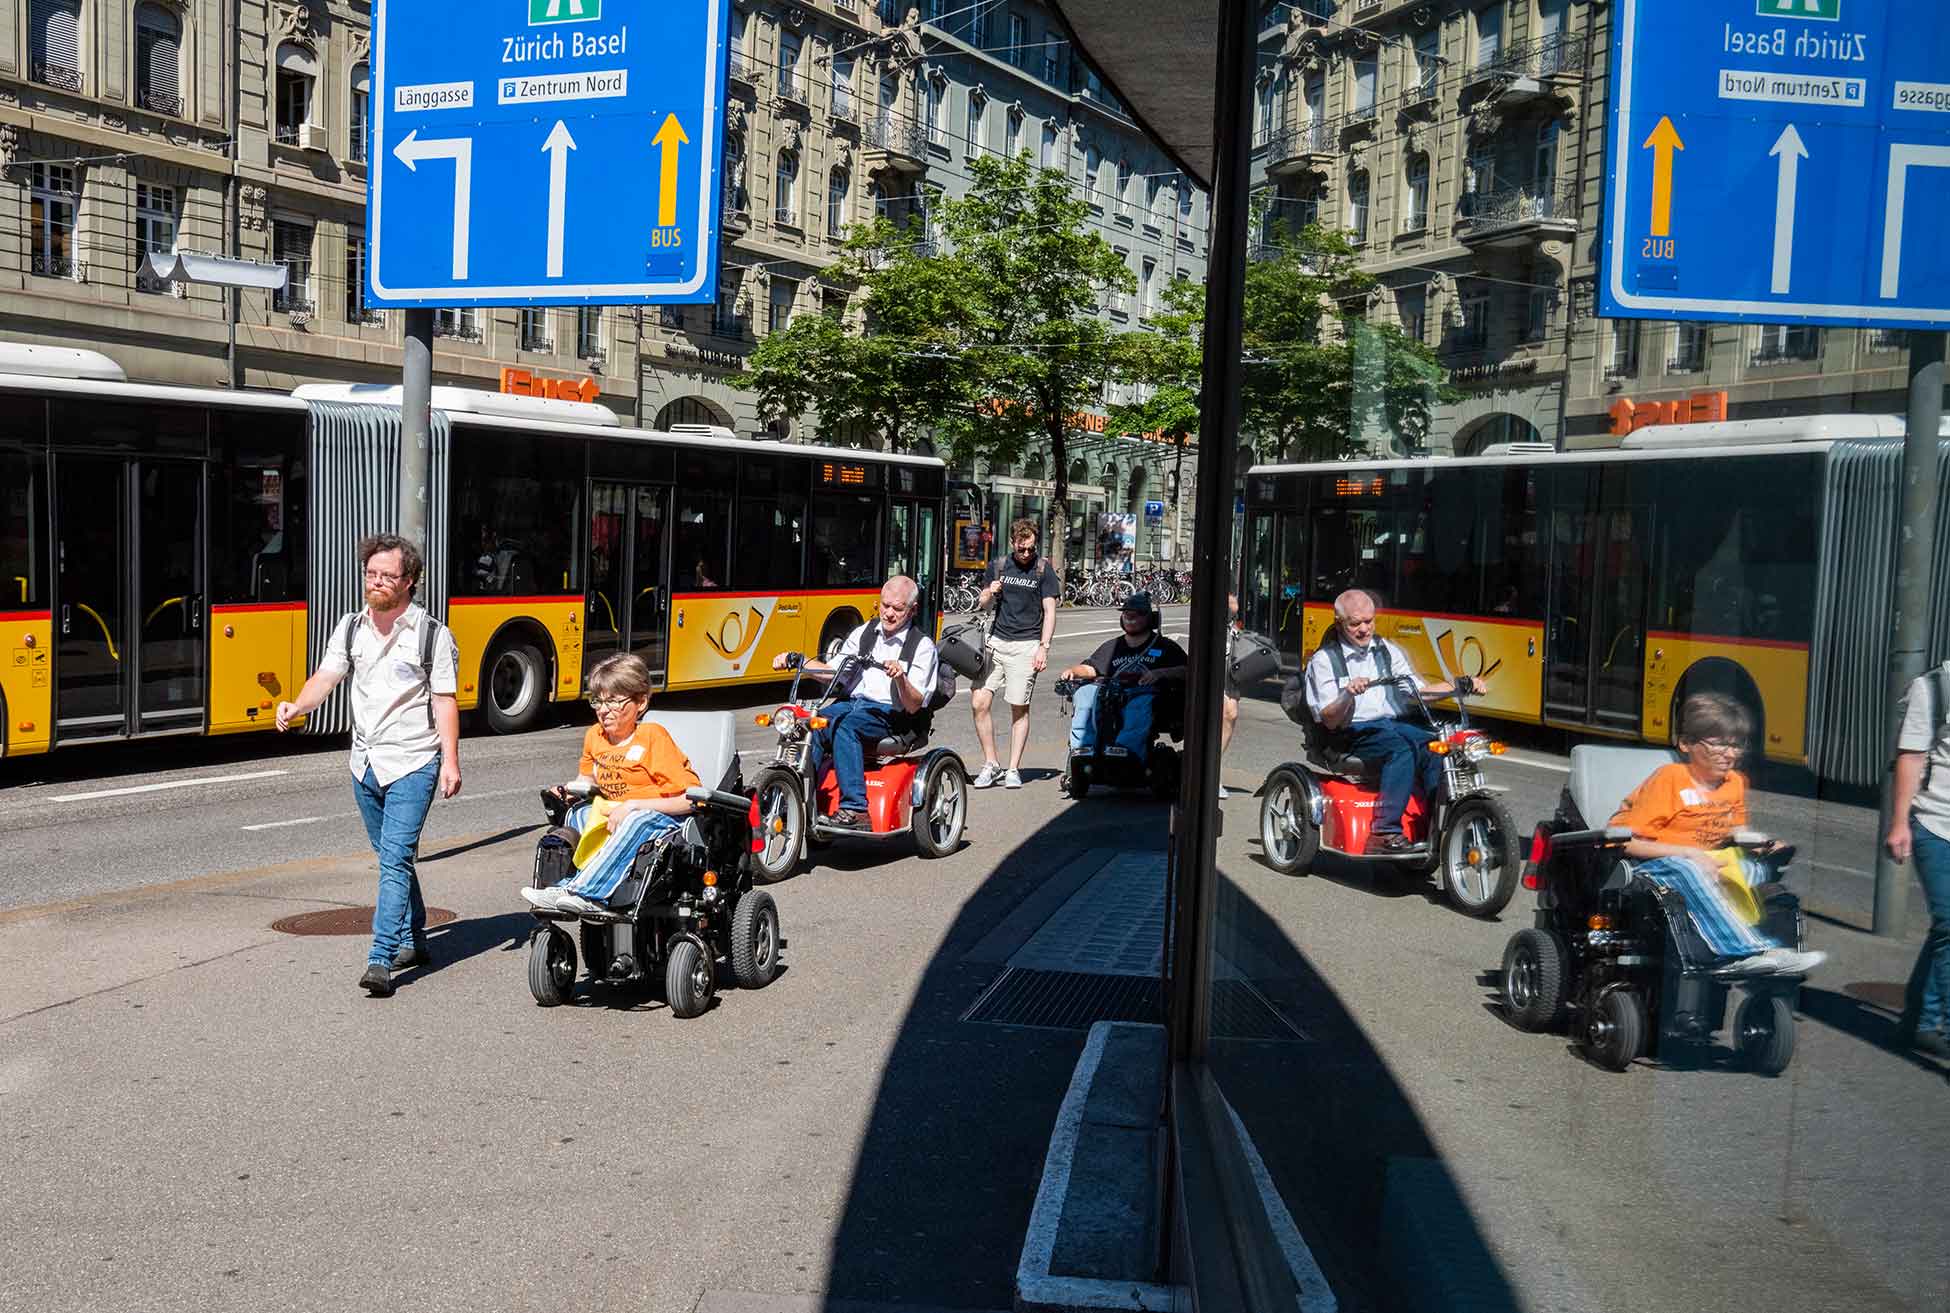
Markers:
1012,669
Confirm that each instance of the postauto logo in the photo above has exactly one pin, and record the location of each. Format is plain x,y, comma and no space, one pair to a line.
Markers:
1828,11
563,11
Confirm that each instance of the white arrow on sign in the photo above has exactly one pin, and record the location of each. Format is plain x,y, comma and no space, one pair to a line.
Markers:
1789,150
460,150
557,148
1901,157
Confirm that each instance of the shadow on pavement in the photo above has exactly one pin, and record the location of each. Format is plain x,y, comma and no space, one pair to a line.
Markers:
514,832
453,943
941,1191
1874,1026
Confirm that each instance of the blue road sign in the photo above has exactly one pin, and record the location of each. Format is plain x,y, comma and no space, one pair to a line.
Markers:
1779,160
545,152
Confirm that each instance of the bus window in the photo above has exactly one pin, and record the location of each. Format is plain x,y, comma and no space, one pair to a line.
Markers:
702,521
1736,548
927,554
131,426
515,506
1470,547
1261,582
1507,541
257,504
1354,543
771,547
23,530
1289,614
845,543
900,538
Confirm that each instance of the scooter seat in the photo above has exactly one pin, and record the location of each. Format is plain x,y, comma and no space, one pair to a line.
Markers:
900,745
1352,769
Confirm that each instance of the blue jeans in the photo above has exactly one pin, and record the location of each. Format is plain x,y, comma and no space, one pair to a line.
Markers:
1723,929
850,727
1401,752
1928,999
1134,735
394,814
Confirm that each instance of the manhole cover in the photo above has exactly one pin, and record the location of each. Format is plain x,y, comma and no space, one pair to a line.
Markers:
344,921
1877,993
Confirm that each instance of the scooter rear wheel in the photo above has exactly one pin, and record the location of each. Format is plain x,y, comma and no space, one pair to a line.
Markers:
1287,833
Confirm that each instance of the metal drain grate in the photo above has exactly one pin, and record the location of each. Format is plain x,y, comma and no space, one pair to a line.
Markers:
1075,1000
344,921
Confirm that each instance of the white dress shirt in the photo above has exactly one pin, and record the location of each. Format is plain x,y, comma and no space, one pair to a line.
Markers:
870,683
392,697
1378,701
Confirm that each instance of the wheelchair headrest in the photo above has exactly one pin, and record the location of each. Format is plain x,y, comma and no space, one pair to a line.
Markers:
708,738
1602,776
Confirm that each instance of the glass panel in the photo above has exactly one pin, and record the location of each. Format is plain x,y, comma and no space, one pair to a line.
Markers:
169,591
1258,606
90,636
928,556
771,544
900,539
846,543
703,525
650,604
514,505
128,426
1574,550
23,531
609,527
1289,595
257,498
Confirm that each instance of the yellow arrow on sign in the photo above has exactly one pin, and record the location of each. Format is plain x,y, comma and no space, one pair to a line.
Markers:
670,136
1662,143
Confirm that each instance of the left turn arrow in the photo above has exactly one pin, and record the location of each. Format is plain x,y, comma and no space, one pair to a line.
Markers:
412,149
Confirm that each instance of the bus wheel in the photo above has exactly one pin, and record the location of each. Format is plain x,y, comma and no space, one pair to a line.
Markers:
838,625
514,687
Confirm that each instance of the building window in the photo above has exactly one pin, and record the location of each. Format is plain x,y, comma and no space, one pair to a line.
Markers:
1263,112
462,325
1787,342
725,319
54,43
842,86
297,76
1367,70
1012,132
1415,198
836,188
361,109
785,203
1544,168
789,66
736,199
155,231
1018,40
1425,64
589,332
356,310
1148,288
51,243
158,60
1623,359
784,292
1537,314
1357,207
1412,308
978,124
932,90
1489,35
533,329
1048,157
1124,187
832,304
1888,339
1688,349
291,247
1092,165
1053,63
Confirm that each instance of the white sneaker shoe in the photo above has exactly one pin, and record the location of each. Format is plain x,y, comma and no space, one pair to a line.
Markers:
1012,779
1795,962
990,772
542,898
567,902
1223,795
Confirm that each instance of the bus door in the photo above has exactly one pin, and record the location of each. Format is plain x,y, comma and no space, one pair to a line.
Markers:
129,596
627,608
1594,647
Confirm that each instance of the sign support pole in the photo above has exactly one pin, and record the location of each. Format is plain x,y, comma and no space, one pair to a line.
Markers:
1915,548
416,429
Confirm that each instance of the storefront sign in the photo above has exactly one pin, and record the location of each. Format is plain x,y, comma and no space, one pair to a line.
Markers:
521,383
1628,416
1492,373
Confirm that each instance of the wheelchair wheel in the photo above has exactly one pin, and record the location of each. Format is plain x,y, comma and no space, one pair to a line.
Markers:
1616,1034
943,813
690,978
597,948
1164,773
1763,1031
1287,833
1533,980
1480,859
755,940
1075,783
551,967
782,826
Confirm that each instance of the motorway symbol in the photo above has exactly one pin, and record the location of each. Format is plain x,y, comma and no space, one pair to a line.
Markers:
624,104
1824,122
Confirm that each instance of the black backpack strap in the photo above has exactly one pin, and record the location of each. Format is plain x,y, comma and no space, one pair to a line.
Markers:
865,649
911,644
429,638
1336,660
351,622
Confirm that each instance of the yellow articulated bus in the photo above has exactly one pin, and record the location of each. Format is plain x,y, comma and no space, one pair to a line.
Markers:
175,559
1595,590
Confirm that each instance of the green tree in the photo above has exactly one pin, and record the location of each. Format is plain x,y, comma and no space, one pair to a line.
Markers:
1167,361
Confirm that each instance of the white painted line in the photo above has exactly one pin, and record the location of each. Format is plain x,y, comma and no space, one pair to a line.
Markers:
1535,763
172,784
279,825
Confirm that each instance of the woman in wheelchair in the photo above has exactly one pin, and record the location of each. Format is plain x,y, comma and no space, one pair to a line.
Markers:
1683,818
638,774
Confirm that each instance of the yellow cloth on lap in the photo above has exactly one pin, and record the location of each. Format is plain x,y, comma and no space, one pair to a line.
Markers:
1733,881
596,835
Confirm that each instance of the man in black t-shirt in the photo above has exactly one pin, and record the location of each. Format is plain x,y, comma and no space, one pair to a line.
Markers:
1023,590
1141,657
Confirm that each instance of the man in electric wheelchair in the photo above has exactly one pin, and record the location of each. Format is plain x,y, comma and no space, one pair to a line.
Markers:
653,865
1126,693
1642,924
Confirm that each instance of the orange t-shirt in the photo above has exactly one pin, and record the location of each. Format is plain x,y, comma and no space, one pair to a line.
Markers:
648,764
1673,807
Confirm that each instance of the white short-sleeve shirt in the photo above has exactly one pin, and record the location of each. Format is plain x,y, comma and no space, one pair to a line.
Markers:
871,684
1377,702
1926,729
392,696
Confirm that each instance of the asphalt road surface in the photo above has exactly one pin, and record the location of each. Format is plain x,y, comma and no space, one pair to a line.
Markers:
203,1114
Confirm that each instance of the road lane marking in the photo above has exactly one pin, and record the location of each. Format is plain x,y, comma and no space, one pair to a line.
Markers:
171,784
340,816
1562,768
279,825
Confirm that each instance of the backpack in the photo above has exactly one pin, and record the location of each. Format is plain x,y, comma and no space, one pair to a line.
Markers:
429,639
944,679
1293,693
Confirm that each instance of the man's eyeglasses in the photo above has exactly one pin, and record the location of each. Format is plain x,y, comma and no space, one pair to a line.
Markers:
381,577
610,704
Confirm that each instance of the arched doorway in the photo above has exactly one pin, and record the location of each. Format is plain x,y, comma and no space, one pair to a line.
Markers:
691,410
1492,429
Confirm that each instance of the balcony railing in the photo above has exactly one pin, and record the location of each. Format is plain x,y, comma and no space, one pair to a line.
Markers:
56,75
148,282
1315,138
850,8
743,68
1488,212
363,316
286,134
358,147
792,86
460,330
845,108
1550,56
52,266
737,203
537,341
896,136
160,102
293,303
736,327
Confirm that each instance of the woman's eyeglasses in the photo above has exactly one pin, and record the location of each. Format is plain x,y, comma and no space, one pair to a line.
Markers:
610,704
1725,747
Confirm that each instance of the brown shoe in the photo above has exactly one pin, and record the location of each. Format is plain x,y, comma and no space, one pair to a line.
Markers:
1388,845
846,820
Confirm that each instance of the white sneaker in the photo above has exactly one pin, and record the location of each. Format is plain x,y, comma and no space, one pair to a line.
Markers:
542,898
1795,962
567,902
1012,779
990,772
1223,795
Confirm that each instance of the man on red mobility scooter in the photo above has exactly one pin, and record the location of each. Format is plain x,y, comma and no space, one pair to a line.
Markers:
1352,691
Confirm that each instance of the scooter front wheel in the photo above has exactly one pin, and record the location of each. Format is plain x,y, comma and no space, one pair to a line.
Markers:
1480,861
781,826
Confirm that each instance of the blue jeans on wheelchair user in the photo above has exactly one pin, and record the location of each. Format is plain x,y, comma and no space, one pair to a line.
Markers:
610,865
1725,931
1133,735
850,726
1400,752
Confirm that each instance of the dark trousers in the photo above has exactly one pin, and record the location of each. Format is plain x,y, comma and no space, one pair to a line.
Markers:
1401,752
852,728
